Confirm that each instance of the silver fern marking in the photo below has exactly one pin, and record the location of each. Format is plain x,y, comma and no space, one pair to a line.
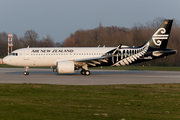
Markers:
132,58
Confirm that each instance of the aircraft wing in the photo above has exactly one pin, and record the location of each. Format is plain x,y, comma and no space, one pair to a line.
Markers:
91,61
96,60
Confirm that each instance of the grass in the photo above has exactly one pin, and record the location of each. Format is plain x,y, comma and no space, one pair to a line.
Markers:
130,67
9,66
131,102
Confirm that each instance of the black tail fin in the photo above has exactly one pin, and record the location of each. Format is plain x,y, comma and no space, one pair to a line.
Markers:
160,37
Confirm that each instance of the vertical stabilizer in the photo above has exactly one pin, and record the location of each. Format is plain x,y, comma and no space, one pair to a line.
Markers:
160,37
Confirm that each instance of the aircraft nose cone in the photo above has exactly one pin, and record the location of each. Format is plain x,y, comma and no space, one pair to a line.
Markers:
6,60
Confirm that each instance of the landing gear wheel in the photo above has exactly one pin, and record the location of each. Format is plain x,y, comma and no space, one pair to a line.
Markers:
83,72
87,72
26,73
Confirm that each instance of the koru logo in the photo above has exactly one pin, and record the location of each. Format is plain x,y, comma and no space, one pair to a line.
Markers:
157,38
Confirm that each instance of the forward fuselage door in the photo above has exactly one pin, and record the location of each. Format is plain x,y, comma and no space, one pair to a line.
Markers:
26,54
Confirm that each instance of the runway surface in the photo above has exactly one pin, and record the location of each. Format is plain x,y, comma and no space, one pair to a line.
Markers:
97,77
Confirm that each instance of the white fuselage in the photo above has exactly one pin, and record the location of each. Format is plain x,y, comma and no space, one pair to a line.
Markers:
34,57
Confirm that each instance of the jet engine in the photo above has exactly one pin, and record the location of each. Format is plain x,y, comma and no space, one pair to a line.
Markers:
65,67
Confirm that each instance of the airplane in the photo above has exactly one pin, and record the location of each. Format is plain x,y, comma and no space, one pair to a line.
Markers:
69,59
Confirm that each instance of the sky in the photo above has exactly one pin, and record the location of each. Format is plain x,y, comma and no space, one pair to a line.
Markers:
60,18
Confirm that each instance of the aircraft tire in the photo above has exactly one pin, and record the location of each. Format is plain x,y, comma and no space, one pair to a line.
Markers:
87,72
26,73
83,72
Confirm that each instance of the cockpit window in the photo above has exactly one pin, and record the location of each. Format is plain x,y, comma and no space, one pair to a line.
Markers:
14,54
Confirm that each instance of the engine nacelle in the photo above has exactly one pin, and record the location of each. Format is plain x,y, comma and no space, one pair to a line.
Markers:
65,67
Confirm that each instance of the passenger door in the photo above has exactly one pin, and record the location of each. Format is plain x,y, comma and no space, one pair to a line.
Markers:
26,54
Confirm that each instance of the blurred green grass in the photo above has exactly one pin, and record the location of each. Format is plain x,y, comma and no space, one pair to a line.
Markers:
116,102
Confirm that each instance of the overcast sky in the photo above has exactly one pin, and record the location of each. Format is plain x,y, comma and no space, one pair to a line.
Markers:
60,18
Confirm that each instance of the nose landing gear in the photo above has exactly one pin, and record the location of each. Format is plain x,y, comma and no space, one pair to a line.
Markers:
26,71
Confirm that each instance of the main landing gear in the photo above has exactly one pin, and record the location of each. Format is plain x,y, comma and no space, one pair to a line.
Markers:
26,71
85,72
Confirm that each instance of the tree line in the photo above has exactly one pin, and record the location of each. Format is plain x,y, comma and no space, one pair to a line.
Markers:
30,39
108,36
